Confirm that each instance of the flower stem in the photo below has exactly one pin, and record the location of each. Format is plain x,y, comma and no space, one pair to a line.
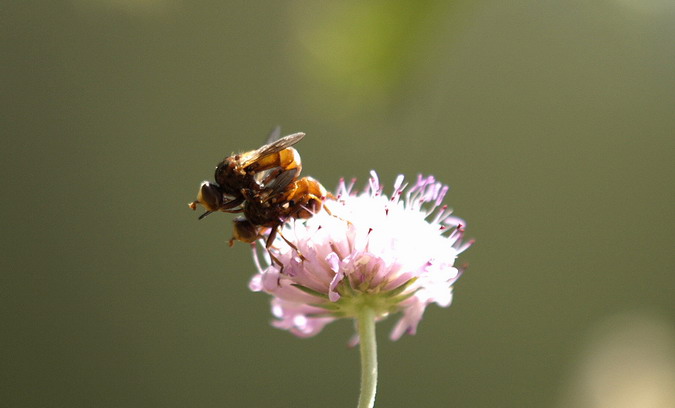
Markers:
368,347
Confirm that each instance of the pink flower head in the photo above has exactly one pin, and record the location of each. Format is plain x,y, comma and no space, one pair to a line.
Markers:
394,254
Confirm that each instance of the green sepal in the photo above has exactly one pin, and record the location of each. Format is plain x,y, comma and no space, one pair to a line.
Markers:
310,291
322,315
326,306
401,298
345,287
397,291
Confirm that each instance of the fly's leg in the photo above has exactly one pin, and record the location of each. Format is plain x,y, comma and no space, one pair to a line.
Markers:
336,216
293,246
274,259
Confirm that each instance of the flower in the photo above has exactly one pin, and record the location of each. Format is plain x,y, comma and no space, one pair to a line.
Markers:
392,254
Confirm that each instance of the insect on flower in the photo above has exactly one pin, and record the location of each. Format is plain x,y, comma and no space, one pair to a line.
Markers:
396,253
263,185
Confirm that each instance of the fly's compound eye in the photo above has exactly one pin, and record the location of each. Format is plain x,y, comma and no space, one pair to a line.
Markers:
210,196
244,230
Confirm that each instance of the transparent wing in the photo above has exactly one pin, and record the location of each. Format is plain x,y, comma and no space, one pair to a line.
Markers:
274,147
274,135
279,183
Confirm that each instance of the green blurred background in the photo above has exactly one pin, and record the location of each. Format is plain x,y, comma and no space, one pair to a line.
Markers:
551,120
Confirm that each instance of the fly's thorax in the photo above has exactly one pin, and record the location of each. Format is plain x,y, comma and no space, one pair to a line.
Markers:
262,212
230,179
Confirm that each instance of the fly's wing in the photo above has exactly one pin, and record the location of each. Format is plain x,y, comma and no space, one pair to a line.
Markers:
287,141
279,183
274,135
